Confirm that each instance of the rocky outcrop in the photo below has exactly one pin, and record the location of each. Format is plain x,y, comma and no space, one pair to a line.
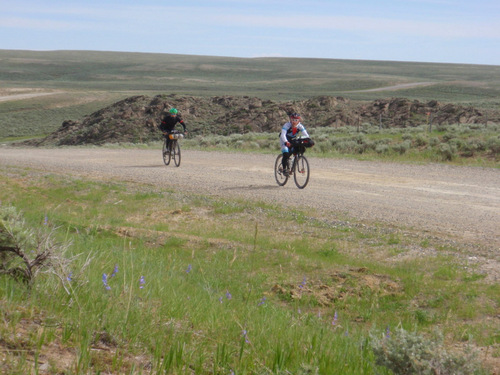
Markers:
136,118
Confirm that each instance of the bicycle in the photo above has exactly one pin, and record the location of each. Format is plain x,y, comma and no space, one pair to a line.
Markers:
298,166
175,150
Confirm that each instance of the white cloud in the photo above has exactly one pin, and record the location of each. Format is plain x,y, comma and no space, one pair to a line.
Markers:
364,24
106,17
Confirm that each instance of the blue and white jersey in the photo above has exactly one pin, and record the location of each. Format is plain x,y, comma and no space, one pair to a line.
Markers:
288,133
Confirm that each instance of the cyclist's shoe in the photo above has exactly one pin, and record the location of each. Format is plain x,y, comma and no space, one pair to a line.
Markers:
286,172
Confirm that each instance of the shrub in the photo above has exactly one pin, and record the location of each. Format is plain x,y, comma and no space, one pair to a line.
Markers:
449,136
420,140
493,144
446,151
402,147
472,146
409,353
347,146
381,148
25,252
323,146
434,142
407,136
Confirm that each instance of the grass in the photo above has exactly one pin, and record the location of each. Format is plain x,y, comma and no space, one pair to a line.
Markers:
206,285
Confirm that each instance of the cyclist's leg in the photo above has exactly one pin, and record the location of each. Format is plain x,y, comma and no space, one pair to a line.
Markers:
169,142
286,155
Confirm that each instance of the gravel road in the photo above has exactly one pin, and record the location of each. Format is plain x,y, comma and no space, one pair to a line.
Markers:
459,203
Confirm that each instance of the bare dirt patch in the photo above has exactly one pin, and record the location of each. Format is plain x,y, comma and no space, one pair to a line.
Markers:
10,94
397,87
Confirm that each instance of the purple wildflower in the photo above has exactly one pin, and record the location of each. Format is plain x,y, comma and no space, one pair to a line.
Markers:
70,276
142,282
335,318
189,268
303,283
228,295
105,281
387,332
115,271
220,299
46,220
245,335
262,301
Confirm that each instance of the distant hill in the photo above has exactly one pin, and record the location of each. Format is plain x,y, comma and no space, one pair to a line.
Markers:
135,119
279,79
226,95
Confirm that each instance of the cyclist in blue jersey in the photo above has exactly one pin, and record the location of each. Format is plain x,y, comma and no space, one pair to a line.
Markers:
290,131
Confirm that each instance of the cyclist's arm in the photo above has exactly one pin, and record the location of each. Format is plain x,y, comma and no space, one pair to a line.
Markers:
283,134
304,132
181,121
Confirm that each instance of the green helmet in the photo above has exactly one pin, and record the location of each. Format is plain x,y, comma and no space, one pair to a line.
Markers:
173,111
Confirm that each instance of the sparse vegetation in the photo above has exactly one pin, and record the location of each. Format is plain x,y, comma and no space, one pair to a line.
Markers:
181,283
460,144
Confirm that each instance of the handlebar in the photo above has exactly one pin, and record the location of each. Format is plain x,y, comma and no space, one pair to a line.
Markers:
307,142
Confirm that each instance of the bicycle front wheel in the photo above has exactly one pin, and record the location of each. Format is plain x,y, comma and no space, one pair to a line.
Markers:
176,153
165,153
301,171
280,177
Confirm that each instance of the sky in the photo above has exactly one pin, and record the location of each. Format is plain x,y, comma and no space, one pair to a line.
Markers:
441,31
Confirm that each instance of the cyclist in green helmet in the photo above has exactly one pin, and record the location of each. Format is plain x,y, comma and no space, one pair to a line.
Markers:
168,122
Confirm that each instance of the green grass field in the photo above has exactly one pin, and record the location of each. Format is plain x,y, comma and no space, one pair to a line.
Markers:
166,282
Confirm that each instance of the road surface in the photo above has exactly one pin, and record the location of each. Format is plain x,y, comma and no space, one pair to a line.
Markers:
459,203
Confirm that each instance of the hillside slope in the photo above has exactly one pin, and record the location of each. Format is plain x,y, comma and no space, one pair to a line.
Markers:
136,118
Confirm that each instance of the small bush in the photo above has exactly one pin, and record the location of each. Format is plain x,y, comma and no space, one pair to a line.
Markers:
348,146
420,140
493,145
26,252
407,137
434,142
381,148
402,147
472,146
446,151
409,353
449,136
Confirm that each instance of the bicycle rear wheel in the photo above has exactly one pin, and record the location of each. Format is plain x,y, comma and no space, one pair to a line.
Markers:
301,171
176,153
165,153
280,177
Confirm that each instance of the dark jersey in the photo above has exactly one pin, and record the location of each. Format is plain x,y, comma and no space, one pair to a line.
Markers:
168,123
